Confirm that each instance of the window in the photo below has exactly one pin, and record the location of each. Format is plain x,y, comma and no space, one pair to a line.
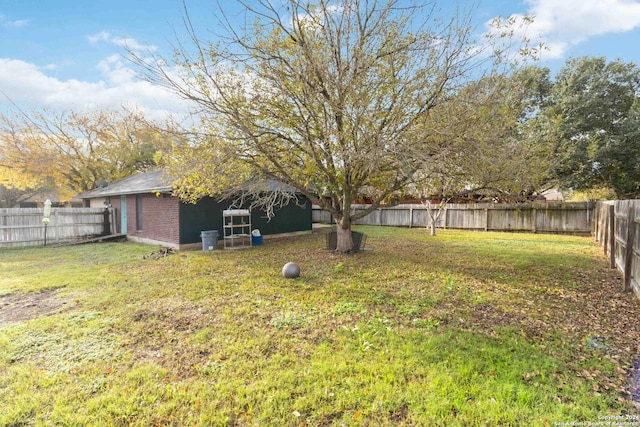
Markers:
139,211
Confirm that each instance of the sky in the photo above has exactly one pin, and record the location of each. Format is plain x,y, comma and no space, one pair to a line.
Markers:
69,54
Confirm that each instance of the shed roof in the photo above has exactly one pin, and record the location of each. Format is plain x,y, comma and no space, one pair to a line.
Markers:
158,181
146,182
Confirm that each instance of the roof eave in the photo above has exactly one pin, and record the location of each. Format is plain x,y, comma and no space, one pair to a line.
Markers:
97,195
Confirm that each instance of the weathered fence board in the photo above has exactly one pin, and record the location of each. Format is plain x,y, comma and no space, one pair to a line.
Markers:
617,229
24,226
570,218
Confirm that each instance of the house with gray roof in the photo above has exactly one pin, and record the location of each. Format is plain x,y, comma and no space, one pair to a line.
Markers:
148,212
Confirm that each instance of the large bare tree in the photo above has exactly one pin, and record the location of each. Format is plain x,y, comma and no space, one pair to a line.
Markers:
486,140
322,95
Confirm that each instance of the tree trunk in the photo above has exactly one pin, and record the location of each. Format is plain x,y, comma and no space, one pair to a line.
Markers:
433,218
345,241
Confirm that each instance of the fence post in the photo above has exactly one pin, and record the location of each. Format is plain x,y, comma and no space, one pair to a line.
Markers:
628,256
591,211
410,216
106,227
534,218
605,232
445,218
596,224
612,236
114,221
486,219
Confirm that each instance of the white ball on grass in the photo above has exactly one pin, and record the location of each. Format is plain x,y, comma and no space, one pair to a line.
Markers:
291,270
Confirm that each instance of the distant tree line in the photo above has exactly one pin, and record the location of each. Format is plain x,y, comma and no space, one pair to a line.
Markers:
67,152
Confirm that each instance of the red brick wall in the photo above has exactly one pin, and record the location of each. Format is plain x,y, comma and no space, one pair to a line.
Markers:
160,220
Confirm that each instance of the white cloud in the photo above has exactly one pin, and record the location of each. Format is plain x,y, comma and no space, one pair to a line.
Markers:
314,20
17,23
27,85
126,42
117,73
99,37
562,24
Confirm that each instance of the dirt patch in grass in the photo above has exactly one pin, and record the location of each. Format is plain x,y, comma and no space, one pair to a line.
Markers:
19,306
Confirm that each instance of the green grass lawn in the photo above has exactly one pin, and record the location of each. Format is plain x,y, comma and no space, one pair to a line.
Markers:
469,329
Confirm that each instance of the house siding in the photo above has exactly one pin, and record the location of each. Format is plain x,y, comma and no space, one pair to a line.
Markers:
291,218
160,218
206,214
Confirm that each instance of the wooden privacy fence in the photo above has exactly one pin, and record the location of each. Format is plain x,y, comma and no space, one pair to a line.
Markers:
617,229
24,226
569,218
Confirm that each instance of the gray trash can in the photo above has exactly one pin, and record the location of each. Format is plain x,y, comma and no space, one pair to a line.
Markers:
209,240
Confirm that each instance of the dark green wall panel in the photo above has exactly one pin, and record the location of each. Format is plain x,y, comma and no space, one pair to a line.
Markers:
288,219
194,218
207,215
